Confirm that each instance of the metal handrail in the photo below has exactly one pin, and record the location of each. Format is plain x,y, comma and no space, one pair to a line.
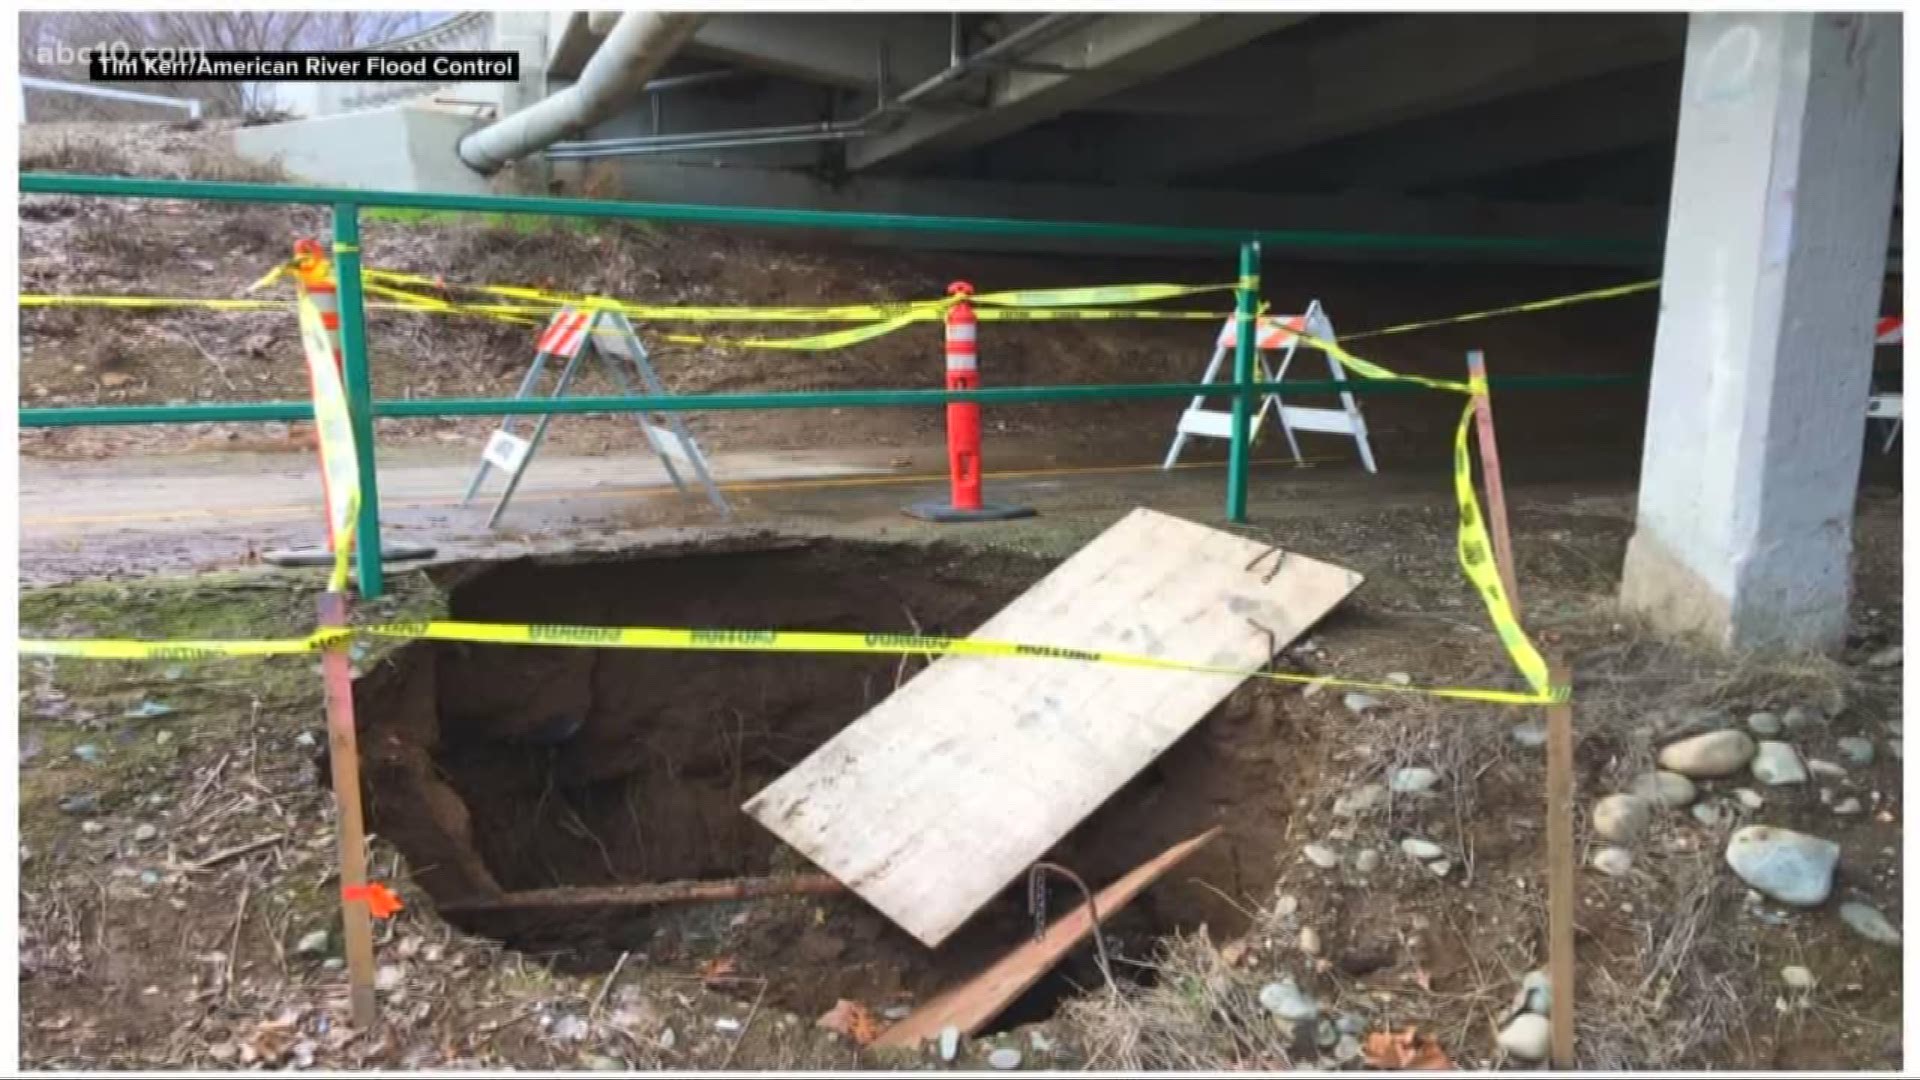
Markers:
346,204
694,213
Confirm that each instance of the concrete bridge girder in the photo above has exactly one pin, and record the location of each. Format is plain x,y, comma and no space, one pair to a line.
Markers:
1279,95
1107,54
1638,107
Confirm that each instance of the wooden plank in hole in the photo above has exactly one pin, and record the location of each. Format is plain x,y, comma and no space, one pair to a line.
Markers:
971,1005
941,795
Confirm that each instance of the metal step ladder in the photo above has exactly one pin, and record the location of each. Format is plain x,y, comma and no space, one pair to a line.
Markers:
570,335
1281,334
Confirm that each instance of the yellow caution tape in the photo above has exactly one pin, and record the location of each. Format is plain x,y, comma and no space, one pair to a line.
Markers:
338,458
687,639
1474,545
118,649
1515,309
36,300
1094,295
1090,296
1477,563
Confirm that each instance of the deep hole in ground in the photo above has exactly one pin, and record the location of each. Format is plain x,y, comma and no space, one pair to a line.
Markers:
505,768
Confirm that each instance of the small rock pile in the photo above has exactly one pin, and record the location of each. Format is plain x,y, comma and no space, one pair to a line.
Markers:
1782,864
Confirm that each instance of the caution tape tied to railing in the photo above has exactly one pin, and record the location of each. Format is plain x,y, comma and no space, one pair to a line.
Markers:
530,306
334,423
1474,546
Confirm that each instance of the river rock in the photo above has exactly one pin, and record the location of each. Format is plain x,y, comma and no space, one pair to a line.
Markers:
1714,754
1801,718
1856,750
1004,1059
1827,769
1531,734
1867,921
1526,1037
1796,977
1749,798
1286,1001
1788,866
949,1042
312,943
1535,995
1360,800
1712,813
1310,941
1764,724
1886,658
1359,704
1847,806
1621,818
1537,989
1366,860
1321,856
1777,763
1413,781
1612,861
1416,848
1668,789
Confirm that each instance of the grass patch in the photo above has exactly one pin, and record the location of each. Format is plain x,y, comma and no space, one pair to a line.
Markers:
523,224
114,729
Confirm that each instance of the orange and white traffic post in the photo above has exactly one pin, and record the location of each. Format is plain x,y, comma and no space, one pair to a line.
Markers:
964,500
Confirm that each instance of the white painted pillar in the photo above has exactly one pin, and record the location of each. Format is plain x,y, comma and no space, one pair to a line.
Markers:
1776,251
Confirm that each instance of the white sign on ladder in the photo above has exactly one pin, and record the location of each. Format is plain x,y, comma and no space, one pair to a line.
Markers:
1281,334
570,335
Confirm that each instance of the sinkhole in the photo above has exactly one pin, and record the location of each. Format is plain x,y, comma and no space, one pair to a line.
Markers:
498,768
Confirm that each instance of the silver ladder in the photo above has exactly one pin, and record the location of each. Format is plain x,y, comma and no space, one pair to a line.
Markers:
1275,333
570,335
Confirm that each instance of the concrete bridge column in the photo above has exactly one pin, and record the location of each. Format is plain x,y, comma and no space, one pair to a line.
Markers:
1776,251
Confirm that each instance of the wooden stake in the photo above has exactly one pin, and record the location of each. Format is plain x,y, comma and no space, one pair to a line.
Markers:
1560,876
1560,861
1490,469
356,923
663,892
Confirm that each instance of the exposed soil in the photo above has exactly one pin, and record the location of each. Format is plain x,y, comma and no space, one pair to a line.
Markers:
512,769
1677,968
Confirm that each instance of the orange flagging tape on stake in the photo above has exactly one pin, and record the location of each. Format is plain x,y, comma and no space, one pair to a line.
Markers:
382,902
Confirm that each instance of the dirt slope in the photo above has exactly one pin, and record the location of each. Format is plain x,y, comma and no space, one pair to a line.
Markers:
87,356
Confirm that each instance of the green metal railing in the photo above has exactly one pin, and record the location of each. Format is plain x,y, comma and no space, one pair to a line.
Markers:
346,204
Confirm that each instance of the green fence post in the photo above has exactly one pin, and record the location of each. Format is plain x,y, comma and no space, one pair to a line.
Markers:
359,382
1240,450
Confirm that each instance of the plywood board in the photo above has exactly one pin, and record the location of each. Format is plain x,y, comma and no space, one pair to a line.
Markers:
943,793
969,1006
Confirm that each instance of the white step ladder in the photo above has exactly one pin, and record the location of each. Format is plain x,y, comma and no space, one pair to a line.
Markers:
1275,333
570,335
1885,406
